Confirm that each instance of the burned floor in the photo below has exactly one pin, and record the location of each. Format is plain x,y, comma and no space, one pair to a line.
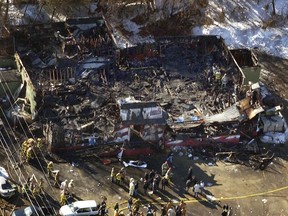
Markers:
79,85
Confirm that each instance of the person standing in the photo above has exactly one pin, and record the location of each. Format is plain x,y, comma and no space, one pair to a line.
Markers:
116,209
136,183
123,174
146,176
131,187
170,158
163,210
188,185
145,187
112,175
49,168
196,190
168,175
118,178
152,174
71,187
171,211
103,205
130,203
56,178
63,199
136,206
157,181
183,211
193,180
190,173
154,186
149,210
29,154
63,186
164,168
201,187
164,183
41,184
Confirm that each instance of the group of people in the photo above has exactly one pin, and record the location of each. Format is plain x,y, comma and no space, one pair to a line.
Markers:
172,209
192,182
66,188
29,148
151,181
198,187
32,186
217,76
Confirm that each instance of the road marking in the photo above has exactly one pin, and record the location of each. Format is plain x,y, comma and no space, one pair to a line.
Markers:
193,200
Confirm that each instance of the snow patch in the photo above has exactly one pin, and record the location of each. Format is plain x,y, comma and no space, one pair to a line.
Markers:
247,32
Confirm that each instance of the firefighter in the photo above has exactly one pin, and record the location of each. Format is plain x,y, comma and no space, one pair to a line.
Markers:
218,77
164,168
39,143
136,206
118,178
35,191
40,185
71,187
24,189
31,142
63,199
112,175
56,178
29,154
168,175
24,148
50,168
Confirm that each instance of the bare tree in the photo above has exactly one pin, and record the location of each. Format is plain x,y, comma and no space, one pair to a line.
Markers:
273,5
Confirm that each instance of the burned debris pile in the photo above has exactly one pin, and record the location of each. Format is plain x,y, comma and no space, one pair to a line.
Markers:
178,91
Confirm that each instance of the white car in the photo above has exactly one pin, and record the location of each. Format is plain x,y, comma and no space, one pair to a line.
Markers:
6,189
85,207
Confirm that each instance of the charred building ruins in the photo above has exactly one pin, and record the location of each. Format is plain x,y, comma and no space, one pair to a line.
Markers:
77,89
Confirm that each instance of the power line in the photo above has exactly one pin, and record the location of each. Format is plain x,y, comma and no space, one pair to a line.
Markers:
21,174
26,137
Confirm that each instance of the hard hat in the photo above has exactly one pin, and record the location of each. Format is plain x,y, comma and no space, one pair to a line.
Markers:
30,140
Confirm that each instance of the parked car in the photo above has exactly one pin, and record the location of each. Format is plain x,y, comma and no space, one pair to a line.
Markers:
85,207
6,189
35,211
3,172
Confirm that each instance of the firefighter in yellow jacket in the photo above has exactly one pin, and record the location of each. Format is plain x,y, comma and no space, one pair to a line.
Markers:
29,154
49,168
63,199
39,143
24,148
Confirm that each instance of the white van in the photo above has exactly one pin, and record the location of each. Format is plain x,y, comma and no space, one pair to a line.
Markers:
86,207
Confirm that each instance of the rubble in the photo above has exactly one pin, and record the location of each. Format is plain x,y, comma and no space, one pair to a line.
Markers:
85,92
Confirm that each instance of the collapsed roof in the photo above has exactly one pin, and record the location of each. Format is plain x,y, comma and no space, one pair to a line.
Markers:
79,76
